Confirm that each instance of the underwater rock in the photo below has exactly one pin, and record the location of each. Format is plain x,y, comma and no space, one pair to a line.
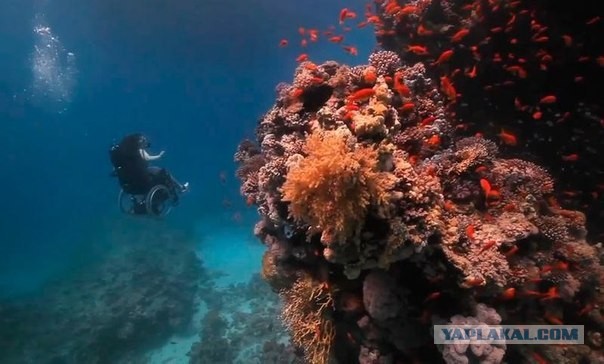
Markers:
389,232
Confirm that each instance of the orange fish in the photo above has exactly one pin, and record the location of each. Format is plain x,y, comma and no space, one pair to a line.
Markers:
369,75
417,49
470,231
409,106
351,50
461,34
361,94
571,157
493,195
297,92
343,14
422,31
518,71
310,66
568,40
444,57
488,245
427,120
593,20
586,309
301,58
434,140
447,88
336,39
472,73
250,200
537,115
485,185
541,39
432,296
400,86
508,294
512,251
408,10
550,99
553,319
507,138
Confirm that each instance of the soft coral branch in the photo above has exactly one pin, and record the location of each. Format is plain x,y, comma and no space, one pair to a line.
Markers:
332,188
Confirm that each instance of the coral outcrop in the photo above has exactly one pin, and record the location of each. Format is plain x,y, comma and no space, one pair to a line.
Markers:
140,292
380,222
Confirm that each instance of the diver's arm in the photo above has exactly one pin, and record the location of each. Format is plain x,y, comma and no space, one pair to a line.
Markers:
146,156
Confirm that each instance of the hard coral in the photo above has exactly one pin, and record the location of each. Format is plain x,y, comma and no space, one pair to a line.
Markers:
332,188
386,62
374,176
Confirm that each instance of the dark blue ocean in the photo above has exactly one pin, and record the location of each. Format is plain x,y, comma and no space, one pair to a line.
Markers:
77,76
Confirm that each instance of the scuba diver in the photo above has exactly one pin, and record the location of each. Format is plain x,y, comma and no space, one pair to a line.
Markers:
149,187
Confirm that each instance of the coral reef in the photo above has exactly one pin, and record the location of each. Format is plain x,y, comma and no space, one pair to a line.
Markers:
379,222
532,68
331,188
139,294
243,325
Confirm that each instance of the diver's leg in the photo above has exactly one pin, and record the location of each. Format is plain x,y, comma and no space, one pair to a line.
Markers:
155,175
175,184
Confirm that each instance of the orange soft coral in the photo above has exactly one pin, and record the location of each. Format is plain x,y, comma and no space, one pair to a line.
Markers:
332,188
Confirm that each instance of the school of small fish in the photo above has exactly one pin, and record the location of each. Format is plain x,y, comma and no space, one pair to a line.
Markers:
510,62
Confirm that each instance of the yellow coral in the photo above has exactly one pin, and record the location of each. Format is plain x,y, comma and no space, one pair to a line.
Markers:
332,188
305,312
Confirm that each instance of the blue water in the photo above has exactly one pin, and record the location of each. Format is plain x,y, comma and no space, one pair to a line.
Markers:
192,75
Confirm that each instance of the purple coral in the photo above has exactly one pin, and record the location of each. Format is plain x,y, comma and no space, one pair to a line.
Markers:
484,353
385,62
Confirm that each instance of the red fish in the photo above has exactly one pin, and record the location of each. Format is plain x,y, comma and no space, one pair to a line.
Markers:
346,14
434,140
485,185
428,120
400,86
447,88
361,94
417,49
351,50
461,34
537,115
301,58
508,294
283,43
409,106
507,138
470,231
571,157
488,245
444,57
422,31
550,99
